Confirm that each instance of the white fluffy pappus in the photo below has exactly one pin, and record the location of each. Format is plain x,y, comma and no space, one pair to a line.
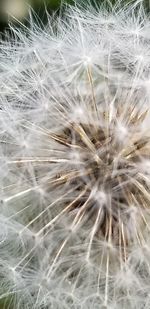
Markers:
75,161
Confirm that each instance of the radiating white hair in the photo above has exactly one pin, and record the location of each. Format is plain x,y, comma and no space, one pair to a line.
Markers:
75,161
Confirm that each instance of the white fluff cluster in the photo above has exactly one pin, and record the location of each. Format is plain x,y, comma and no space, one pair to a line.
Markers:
75,161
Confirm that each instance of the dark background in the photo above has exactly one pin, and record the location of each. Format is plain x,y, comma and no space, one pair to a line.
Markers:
17,9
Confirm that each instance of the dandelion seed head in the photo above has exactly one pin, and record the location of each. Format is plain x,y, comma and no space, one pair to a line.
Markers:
74,153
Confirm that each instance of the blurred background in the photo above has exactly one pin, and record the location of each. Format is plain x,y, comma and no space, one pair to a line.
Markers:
11,10
18,9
